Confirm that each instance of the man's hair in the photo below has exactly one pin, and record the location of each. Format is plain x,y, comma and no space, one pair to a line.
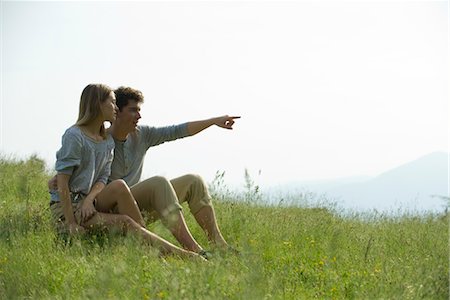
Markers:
125,94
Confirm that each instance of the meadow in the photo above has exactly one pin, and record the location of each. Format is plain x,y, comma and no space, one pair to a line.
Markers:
287,252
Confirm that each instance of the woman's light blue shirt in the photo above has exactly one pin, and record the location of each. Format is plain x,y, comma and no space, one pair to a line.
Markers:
86,160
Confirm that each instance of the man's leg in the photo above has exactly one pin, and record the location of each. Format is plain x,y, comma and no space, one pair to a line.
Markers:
157,197
192,189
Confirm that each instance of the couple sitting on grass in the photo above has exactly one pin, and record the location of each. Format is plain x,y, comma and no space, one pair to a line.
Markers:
99,170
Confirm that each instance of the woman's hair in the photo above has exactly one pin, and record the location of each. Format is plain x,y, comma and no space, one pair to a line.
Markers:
91,98
125,94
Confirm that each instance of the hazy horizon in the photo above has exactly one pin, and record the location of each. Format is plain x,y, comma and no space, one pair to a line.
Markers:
325,89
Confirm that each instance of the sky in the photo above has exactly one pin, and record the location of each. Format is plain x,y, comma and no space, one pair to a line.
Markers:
324,89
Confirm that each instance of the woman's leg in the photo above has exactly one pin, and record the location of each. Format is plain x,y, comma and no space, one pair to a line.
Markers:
192,189
127,224
117,197
156,194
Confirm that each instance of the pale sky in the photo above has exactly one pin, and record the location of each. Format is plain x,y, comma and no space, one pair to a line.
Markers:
325,89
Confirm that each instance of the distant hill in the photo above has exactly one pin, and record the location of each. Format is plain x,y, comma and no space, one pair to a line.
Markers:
414,185
417,185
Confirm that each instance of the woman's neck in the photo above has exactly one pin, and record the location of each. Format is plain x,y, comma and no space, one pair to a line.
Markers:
93,130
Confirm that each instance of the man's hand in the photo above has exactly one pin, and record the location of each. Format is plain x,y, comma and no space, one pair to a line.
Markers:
53,184
225,121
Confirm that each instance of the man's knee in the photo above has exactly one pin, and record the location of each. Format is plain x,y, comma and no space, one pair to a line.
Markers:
199,193
156,182
195,179
150,186
156,194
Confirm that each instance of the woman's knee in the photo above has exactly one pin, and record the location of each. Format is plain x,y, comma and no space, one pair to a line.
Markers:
119,186
117,197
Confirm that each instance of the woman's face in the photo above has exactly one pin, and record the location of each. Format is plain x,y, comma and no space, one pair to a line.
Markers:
109,108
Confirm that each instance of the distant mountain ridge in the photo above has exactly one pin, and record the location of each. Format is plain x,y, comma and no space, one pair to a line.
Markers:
418,184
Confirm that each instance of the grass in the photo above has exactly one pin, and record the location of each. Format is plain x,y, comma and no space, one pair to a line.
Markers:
287,253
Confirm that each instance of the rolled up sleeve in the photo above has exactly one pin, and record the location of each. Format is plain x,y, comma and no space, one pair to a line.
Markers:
69,156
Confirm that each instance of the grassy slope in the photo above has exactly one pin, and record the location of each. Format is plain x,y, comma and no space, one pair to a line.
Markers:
287,253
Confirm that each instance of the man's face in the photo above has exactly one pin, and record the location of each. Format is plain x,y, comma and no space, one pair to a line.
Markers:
129,115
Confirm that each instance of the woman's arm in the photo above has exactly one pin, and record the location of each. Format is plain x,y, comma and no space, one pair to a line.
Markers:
224,122
64,196
88,208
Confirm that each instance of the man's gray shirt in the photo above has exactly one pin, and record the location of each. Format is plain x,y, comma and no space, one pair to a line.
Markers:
129,155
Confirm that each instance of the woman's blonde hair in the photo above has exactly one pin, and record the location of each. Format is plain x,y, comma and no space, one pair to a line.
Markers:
91,98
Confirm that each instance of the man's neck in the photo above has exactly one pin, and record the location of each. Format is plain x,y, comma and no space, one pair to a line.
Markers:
118,133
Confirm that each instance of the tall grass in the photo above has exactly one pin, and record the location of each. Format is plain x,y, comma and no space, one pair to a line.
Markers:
287,253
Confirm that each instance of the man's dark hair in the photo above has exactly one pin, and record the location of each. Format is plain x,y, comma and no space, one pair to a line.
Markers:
125,94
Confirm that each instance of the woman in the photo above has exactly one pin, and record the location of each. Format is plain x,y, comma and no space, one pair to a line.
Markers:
83,165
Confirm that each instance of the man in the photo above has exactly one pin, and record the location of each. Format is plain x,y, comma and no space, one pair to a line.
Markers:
158,197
